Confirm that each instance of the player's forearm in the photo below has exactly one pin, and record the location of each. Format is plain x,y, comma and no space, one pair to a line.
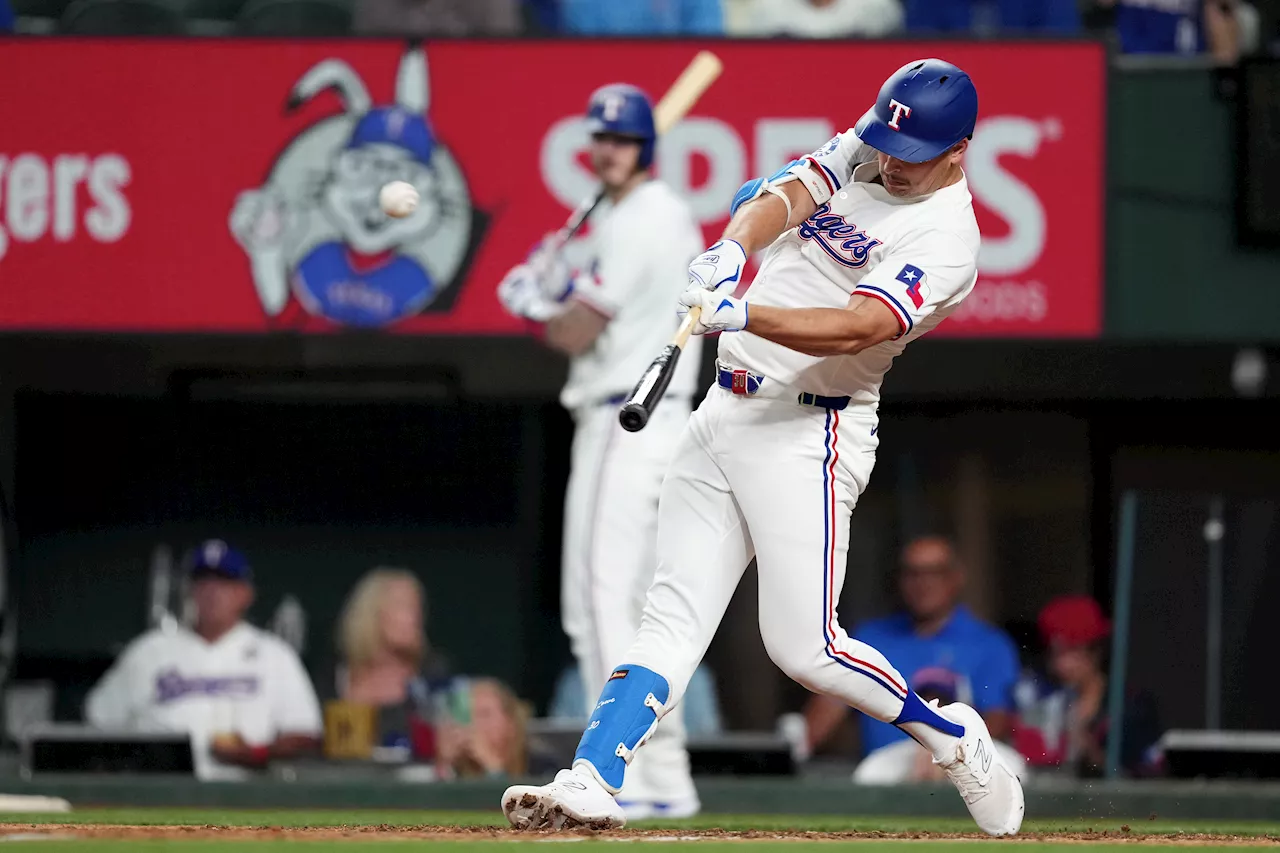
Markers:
758,223
812,331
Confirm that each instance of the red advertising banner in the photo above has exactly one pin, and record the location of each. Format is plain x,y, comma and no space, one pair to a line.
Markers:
231,186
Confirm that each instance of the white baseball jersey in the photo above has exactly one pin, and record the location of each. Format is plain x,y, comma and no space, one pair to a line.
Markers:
249,682
638,253
918,256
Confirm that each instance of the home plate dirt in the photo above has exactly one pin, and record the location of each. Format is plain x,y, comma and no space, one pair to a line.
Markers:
476,833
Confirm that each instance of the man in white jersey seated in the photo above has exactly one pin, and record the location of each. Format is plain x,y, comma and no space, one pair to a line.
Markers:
605,302
870,242
240,692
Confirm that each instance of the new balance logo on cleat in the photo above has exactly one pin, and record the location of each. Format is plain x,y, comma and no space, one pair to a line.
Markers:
984,757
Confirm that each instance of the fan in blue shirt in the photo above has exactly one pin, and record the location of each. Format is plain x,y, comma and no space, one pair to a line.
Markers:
6,17
642,17
934,631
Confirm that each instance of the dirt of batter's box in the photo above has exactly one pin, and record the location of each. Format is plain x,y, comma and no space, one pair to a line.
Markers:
458,833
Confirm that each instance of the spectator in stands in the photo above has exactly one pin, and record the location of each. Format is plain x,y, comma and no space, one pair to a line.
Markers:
241,692
1063,721
386,660
642,17
700,703
934,630
437,18
824,18
6,17
1040,16
905,761
486,735
1187,27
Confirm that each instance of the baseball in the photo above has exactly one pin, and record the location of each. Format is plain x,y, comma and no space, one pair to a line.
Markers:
398,199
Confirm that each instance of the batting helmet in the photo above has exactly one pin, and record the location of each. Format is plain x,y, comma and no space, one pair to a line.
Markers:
922,110
624,110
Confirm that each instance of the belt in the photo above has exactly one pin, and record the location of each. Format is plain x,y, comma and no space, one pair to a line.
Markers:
746,383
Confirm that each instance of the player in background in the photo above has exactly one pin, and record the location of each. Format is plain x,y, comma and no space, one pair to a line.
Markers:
871,242
610,313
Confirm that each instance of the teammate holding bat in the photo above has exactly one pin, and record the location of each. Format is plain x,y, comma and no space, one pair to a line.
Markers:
871,242
610,316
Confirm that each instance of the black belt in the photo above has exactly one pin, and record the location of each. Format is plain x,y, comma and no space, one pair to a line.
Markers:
747,383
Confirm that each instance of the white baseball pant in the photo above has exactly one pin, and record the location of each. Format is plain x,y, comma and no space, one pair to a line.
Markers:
778,481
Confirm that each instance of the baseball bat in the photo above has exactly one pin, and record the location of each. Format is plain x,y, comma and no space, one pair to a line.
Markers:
697,76
653,384
679,99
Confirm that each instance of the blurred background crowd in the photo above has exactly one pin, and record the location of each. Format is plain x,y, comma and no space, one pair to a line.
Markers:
386,690
1221,29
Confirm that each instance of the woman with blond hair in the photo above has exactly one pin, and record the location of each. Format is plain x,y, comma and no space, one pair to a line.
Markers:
386,661
491,737
382,638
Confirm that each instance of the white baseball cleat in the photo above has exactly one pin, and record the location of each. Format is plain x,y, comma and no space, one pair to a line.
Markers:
990,790
575,799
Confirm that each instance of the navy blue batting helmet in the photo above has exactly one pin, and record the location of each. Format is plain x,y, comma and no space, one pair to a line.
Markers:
922,110
624,110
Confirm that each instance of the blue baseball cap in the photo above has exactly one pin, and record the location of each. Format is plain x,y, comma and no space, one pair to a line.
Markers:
217,558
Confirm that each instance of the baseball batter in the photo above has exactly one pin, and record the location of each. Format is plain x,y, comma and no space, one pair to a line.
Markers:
871,242
610,312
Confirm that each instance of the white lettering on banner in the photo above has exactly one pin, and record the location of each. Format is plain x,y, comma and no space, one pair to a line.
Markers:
561,172
1004,302
781,140
40,197
1015,202
778,140
726,158
68,171
110,220
27,210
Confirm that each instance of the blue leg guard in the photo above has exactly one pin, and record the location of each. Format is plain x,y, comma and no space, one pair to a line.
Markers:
914,710
632,701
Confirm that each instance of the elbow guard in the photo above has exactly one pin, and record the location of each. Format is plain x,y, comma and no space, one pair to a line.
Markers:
753,189
750,191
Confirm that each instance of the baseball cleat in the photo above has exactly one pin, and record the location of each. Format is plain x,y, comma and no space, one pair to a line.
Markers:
573,800
990,790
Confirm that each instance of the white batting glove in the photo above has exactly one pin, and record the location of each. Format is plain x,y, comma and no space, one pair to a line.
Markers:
522,296
719,268
720,312
552,271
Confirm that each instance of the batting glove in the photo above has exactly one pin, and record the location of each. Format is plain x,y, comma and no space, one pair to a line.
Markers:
720,312
549,267
719,268
522,296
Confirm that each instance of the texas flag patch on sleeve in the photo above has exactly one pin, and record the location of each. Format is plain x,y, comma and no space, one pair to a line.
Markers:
913,277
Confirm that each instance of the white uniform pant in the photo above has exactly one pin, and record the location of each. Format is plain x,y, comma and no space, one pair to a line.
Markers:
610,552
777,481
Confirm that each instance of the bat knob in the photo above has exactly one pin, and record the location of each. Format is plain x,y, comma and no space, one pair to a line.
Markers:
633,417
